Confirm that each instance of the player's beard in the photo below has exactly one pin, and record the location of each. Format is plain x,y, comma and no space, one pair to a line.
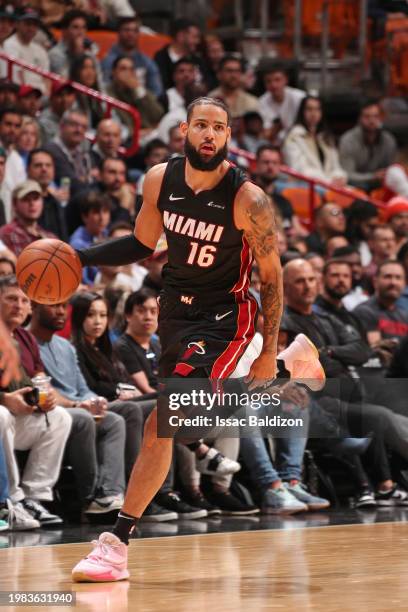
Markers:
199,163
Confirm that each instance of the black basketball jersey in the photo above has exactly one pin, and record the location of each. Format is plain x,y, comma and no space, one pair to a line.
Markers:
207,254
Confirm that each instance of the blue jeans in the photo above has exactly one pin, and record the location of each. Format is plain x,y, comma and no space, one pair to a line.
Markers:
289,453
4,486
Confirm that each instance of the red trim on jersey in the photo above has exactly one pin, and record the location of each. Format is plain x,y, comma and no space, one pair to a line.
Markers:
226,363
184,369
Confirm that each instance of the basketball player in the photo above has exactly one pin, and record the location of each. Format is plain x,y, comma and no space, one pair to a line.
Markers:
216,222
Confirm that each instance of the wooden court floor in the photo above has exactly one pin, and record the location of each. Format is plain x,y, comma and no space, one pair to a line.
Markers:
329,569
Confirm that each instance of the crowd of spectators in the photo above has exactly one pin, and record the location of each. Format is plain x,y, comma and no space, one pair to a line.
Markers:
64,173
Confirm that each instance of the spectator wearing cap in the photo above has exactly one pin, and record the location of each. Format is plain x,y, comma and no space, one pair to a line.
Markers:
396,214
7,19
28,208
21,45
62,98
184,74
128,45
280,104
95,210
367,150
230,90
29,100
186,38
74,42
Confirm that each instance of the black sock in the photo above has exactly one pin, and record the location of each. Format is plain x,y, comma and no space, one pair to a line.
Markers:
125,524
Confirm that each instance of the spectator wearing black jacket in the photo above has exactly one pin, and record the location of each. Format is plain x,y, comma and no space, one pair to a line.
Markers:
338,349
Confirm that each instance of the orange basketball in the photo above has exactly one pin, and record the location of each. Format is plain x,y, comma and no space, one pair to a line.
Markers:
48,271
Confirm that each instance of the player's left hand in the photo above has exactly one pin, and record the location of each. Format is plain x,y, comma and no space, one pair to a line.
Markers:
263,371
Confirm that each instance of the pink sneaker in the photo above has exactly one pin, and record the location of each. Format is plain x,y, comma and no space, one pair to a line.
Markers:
106,563
301,359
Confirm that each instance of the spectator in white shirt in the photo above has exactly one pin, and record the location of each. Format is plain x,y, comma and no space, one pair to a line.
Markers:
22,46
7,19
279,106
309,148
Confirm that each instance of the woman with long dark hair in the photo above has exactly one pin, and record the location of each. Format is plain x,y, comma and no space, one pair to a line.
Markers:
83,70
103,371
362,218
309,148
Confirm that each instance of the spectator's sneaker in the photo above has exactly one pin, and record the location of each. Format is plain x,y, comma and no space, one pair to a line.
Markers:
393,497
230,505
106,563
103,505
41,514
18,519
281,501
302,494
301,359
214,463
365,499
198,500
156,514
171,501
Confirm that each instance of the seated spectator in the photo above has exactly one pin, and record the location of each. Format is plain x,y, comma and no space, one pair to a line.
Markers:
7,267
396,214
380,316
97,453
137,348
252,136
41,168
213,52
21,45
362,218
128,46
74,42
95,211
230,89
176,141
383,247
62,98
28,138
7,22
317,262
155,152
367,150
309,148
335,242
184,74
70,150
83,70
186,38
126,86
357,295
128,278
329,221
10,125
43,430
340,348
279,106
178,115
268,162
25,228
29,100
112,183
107,142
403,259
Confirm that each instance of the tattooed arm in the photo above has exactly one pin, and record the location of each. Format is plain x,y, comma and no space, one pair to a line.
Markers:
254,214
